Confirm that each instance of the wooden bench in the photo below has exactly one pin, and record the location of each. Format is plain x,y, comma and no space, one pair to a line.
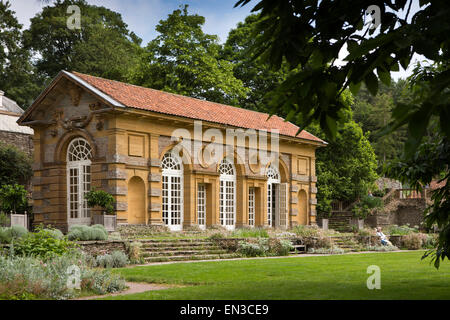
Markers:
299,248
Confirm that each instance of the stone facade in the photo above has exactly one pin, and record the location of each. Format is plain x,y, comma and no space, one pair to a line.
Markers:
127,146
24,142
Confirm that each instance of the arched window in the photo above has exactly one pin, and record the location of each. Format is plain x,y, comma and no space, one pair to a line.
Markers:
273,180
172,191
227,194
79,154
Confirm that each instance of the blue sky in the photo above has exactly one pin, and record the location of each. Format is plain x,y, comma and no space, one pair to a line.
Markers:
143,15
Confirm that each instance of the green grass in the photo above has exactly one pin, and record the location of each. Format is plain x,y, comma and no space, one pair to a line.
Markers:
403,276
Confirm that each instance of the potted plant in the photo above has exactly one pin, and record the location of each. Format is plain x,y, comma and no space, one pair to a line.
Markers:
104,200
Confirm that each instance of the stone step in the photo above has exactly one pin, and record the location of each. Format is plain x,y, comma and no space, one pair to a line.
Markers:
175,241
189,258
183,253
179,245
178,248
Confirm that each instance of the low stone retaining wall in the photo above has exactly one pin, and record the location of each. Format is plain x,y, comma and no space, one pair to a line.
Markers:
96,248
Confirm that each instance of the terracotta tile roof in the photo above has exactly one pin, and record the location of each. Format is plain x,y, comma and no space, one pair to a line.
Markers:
174,104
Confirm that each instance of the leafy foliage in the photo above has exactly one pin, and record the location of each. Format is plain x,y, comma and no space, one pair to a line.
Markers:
102,199
15,166
365,206
98,48
13,198
346,168
8,235
183,59
256,76
43,243
117,259
86,233
309,35
31,278
17,77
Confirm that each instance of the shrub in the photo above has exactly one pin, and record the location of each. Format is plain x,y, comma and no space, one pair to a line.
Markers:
86,233
4,220
134,252
31,278
332,250
253,249
116,259
414,241
104,261
43,244
366,232
7,235
13,198
279,247
367,203
307,231
55,233
217,236
317,242
381,248
18,232
250,233
102,199
400,230
15,166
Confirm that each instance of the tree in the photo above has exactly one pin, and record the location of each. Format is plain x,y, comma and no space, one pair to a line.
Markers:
346,168
255,75
309,35
373,114
17,78
103,46
13,198
184,60
15,166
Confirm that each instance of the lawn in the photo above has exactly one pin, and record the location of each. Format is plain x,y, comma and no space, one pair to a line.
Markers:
403,276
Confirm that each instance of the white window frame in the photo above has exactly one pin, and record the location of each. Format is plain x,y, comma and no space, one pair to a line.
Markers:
172,191
227,196
201,206
79,154
251,206
273,178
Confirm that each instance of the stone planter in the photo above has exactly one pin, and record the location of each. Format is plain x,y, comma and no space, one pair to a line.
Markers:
19,220
325,224
108,221
359,223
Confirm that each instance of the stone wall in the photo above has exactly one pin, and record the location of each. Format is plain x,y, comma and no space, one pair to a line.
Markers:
96,248
23,142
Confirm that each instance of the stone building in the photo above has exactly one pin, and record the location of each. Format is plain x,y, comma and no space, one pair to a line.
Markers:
166,159
10,132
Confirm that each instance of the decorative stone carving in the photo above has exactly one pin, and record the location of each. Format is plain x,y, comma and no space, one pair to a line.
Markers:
75,94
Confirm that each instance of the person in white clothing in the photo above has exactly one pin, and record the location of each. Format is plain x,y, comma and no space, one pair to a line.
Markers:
383,238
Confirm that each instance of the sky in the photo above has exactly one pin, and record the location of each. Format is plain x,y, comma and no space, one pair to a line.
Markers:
143,15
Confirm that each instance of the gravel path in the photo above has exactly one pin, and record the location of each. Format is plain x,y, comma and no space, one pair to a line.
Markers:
133,287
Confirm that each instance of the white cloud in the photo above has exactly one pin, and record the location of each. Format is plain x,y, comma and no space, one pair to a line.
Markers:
25,10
